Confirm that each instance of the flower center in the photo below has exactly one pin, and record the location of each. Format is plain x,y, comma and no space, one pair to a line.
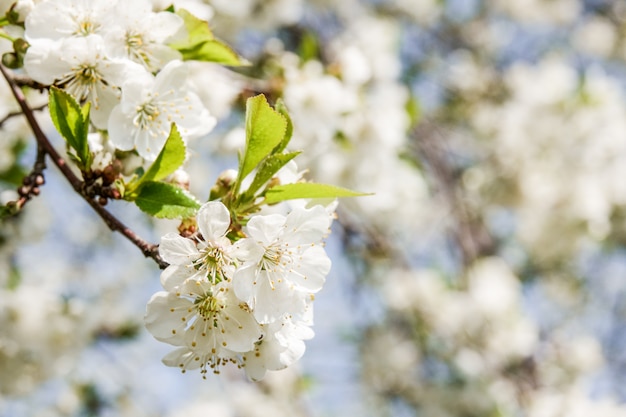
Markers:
146,113
136,48
275,258
88,74
86,27
81,81
133,40
213,262
208,306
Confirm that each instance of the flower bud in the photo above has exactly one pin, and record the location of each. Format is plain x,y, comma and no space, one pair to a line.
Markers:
223,184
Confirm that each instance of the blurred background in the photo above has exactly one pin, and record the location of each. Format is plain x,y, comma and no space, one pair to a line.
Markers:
486,277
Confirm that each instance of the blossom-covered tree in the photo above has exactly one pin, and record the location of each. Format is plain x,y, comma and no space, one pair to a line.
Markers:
172,176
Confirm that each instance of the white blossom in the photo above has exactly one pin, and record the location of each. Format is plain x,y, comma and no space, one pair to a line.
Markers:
148,107
207,257
58,19
282,345
283,260
81,67
141,35
207,321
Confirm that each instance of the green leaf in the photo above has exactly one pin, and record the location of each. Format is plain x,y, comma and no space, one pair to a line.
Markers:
198,31
267,169
169,160
265,130
6,211
213,51
309,47
282,109
10,209
168,201
13,175
85,110
307,190
201,45
71,122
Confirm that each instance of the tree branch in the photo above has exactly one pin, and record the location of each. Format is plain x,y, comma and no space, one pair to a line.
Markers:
19,113
470,233
149,250
32,182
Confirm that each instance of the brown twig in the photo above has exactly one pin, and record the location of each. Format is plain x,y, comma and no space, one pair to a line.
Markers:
149,250
24,81
19,113
32,182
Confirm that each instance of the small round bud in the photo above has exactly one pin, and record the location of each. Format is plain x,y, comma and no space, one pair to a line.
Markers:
115,193
187,227
10,60
223,184
110,174
20,46
180,177
273,182
102,201
40,180
35,191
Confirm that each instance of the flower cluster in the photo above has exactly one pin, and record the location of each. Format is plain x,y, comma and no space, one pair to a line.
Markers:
245,301
107,53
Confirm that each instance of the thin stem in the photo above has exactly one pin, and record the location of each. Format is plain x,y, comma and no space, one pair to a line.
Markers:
5,36
149,250
19,113
24,81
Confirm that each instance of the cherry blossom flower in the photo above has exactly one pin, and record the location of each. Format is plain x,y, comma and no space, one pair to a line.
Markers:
140,35
80,66
58,19
283,260
206,320
149,106
282,346
207,257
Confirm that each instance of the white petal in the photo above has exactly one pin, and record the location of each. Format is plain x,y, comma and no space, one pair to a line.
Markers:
115,43
307,225
51,20
172,76
43,62
136,90
311,269
248,251
107,99
241,330
293,353
164,25
243,282
274,297
174,276
265,229
147,145
183,358
163,317
213,220
269,358
255,369
161,55
177,250
120,128
196,121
